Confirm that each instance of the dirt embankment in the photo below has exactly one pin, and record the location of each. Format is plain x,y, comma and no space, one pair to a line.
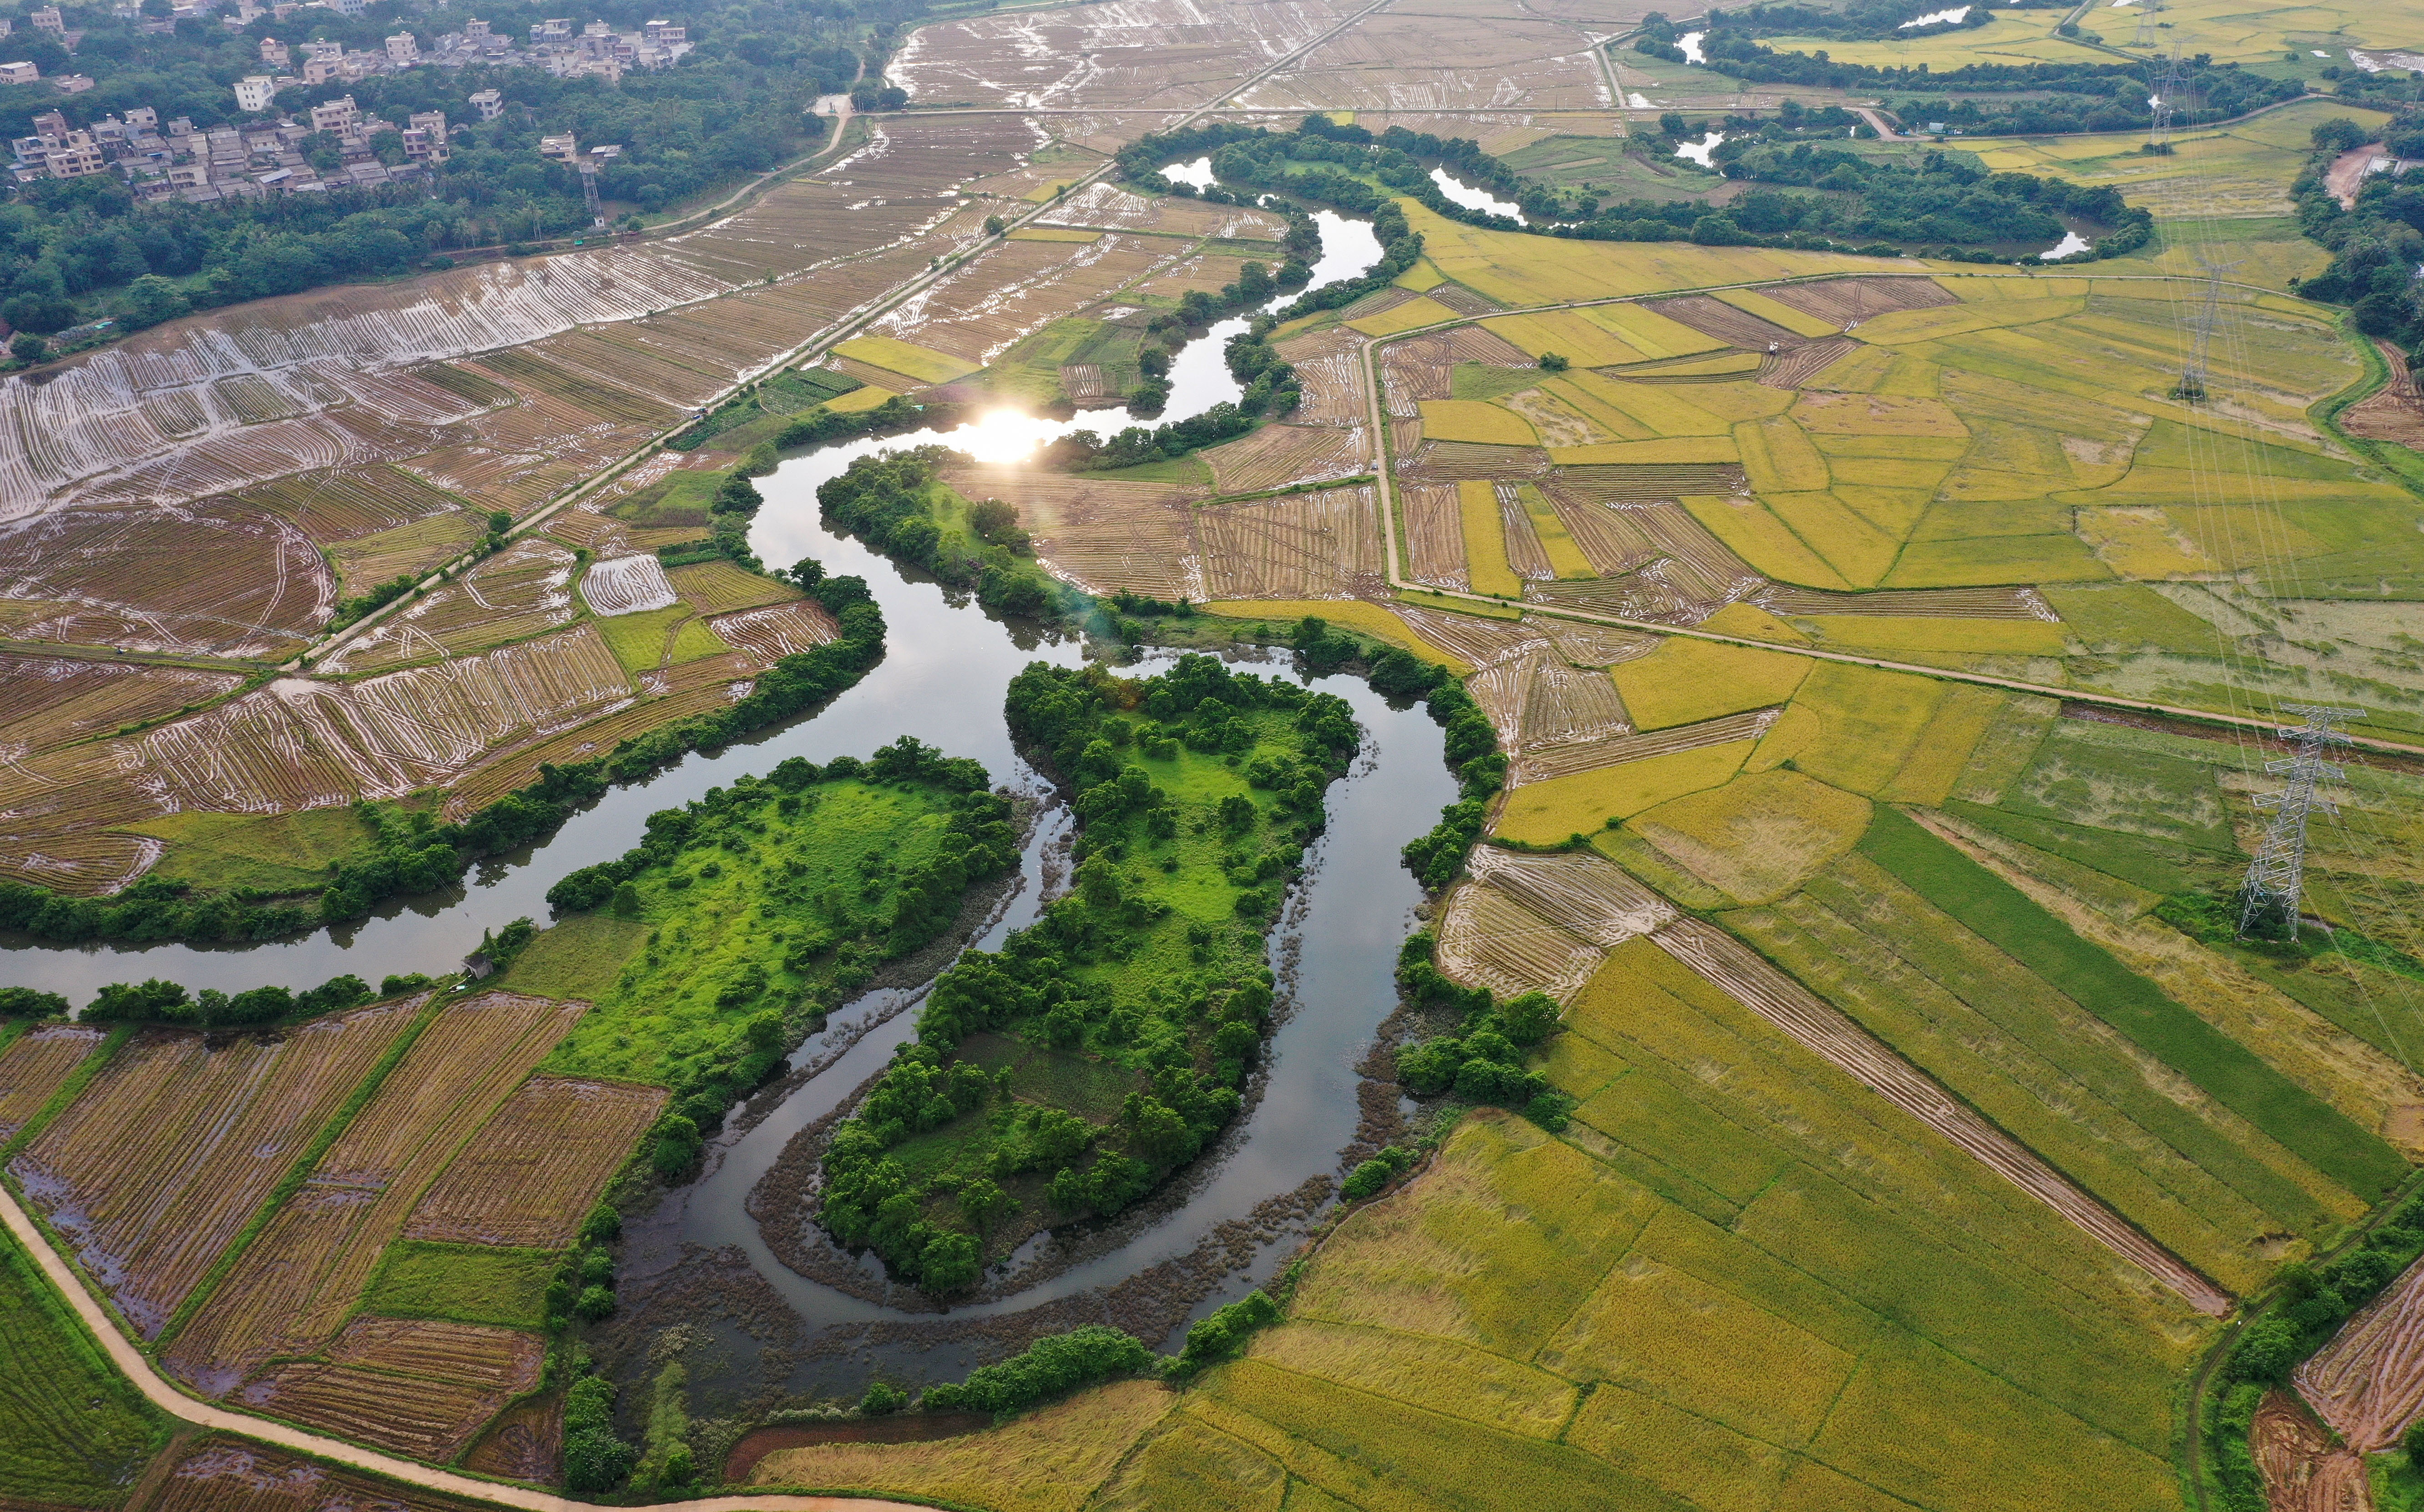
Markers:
914,1428
2347,173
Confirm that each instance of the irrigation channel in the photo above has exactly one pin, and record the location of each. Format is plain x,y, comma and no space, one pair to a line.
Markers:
699,1257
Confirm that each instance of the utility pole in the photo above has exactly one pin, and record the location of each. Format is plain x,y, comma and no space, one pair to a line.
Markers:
2192,385
2277,878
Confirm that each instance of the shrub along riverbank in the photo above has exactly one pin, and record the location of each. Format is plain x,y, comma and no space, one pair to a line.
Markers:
1104,1046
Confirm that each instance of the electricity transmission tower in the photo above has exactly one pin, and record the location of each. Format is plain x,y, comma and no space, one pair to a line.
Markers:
2146,37
589,191
2192,385
2167,101
2277,878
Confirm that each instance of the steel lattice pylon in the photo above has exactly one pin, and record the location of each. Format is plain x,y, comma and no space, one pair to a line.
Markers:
2277,878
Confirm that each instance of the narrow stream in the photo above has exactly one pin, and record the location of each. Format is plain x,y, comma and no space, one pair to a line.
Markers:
945,668
1461,193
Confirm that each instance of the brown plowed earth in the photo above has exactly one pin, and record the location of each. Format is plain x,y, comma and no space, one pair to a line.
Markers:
1843,1044
525,1443
2303,1470
530,1174
1845,300
2393,412
2369,1381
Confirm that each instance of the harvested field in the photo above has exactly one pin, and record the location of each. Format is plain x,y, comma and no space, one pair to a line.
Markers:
1323,544
1614,540
212,578
1473,639
626,585
1411,372
523,590
1524,553
1395,62
1466,461
1750,980
2303,1469
48,702
987,303
1735,328
303,1275
1461,299
1329,366
1693,577
778,630
1105,535
719,587
1280,455
1623,482
1488,938
2393,412
1156,53
1478,343
1578,757
492,779
347,503
1580,892
1434,534
1920,603
1795,366
525,1443
530,1174
1109,207
586,390
162,1159
1848,301
420,1387
2369,1382
37,1065
222,1475
306,743
1596,646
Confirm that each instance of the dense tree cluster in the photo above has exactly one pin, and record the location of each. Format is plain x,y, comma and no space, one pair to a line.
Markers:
1193,1048
157,1001
2376,246
1482,1062
1943,197
1049,1368
737,104
888,502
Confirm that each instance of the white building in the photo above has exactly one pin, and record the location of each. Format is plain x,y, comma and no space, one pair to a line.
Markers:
490,103
19,73
48,19
404,50
254,94
335,116
274,53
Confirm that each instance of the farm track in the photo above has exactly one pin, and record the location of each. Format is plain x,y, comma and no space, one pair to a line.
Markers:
138,1367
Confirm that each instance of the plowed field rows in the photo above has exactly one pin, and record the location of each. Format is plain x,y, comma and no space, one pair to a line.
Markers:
1278,456
1108,537
1537,699
530,1174
345,504
1470,638
1434,534
1590,755
1411,372
1397,62
493,779
1598,645
602,356
1714,317
2369,1382
518,368
222,1477
47,702
1489,939
1329,367
1176,54
719,587
169,1151
301,743
1587,896
1796,365
2303,1469
296,1284
36,1066
1471,461
1616,541
525,1443
424,1388
226,581
983,306
522,591
1846,300
1303,545
1648,483
1524,553
1751,981
782,629
626,585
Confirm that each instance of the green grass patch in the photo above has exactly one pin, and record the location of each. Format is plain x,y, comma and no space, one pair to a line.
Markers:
778,895
1189,470
2113,778
2137,859
461,1284
1478,380
638,641
678,501
2224,1069
274,852
73,1432
694,641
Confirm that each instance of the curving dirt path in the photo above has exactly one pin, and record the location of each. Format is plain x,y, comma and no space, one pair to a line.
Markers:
136,1367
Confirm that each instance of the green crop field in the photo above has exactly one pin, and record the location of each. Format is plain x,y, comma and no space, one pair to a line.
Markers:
73,1431
462,1283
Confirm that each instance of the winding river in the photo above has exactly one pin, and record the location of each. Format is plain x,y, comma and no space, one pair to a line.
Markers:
942,678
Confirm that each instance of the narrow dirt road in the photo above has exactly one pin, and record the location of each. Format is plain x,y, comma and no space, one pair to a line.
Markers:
168,1398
